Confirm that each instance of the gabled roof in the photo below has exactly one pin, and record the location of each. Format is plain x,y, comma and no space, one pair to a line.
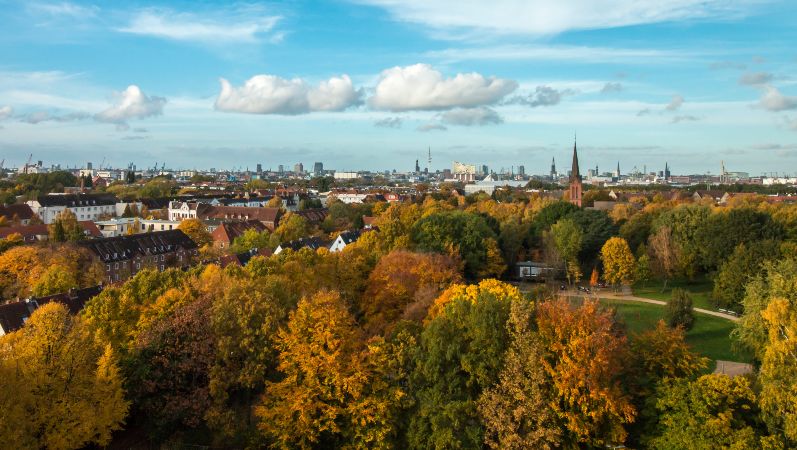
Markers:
313,215
350,236
228,231
121,248
21,210
76,200
13,315
313,243
270,215
31,232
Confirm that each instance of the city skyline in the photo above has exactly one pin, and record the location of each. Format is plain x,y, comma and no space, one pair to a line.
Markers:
688,82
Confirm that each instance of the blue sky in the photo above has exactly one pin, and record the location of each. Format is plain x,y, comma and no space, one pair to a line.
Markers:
371,84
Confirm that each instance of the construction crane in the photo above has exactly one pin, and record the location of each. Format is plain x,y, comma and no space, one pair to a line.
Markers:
102,163
30,157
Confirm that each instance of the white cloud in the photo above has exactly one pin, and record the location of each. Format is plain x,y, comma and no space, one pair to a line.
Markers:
612,87
675,103
755,78
431,127
569,53
6,112
471,117
389,122
773,100
219,27
132,103
420,87
63,9
270,94
542,96
44,116
684,118
545,17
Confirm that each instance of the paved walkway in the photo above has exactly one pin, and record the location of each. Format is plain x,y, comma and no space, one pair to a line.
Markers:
608,294
733,369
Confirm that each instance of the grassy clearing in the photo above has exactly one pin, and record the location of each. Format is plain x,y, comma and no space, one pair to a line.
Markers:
699,288
710,336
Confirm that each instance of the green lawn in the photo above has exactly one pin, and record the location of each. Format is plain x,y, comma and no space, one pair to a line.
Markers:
710,336
699,288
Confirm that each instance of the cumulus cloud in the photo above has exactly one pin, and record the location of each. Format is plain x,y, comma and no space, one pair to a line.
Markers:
420,87
611,87
44,116
389,122
542,96
131,103
684,118
6,112
431,127
542,17
270,94
773,100
675,103
755,78
241,25
471,117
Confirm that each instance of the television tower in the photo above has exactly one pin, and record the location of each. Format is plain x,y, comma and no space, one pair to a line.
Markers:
430,158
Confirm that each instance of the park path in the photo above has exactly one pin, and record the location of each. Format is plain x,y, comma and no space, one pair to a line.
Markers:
633,298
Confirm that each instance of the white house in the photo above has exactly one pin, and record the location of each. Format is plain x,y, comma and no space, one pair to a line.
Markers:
344,239
84,206
122,226
182,210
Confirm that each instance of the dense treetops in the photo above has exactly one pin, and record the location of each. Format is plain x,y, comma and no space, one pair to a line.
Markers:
406,339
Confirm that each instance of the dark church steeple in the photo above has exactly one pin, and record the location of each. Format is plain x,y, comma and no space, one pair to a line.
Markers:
575,179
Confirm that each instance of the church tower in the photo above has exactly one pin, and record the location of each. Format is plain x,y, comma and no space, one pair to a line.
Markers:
553,168
575,180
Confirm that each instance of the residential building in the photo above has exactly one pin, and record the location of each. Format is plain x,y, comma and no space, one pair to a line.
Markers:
313,243
40,232
344,239
14,315
84,206
18,213
224,235
124,256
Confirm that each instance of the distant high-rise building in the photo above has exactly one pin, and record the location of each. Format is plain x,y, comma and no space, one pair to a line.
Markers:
298,168
89,165
280,169
521,170
485,170
417,167
666,171
553,168
575,180
318,168
259,168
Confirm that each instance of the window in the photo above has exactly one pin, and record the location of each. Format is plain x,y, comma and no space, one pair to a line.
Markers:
138,266
107,267
116,265
162,267
163,257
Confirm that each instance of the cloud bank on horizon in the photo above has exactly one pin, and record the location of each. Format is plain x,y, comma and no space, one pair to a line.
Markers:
505,81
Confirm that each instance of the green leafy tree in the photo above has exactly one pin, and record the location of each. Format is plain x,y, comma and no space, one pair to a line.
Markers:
714,411
567,238
723,231
461,351
457,232
679,310
738,269
250,239
65,228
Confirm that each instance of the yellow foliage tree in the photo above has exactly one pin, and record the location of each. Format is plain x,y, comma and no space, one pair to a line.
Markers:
619,265
67,387
471,292
778,376
196,230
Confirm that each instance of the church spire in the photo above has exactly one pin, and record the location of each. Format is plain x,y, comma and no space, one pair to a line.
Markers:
574,172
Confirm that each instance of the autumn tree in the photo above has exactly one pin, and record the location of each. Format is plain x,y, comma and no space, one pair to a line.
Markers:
714,411
778,373
65,228
251,239
618,261
516,411
665,254
169,380
45,270
196,230
737,270
291,227
461,350
320,399
585,357
679,310
59,388
566,236
403,285
464,234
